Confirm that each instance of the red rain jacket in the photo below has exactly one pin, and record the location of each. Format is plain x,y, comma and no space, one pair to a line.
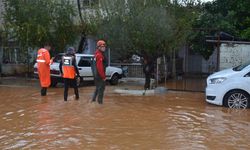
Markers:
100,64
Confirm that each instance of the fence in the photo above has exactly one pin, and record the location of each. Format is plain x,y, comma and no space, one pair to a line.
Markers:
131,69
189,73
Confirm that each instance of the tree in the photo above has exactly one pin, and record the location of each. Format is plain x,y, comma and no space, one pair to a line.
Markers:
220,15
134,26
148,28
31,23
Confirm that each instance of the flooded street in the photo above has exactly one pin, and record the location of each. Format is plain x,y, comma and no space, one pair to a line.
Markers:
175,120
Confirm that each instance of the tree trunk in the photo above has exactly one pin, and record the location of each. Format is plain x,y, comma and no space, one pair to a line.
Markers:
82,43
83,35
1,55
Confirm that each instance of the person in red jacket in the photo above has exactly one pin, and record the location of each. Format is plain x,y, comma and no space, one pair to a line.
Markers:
100,65
69,71
43,67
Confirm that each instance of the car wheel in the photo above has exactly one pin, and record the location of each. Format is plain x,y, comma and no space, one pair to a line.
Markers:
53,83
237,99
114,80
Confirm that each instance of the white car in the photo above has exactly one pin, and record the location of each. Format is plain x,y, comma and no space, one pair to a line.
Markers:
230,87
83,62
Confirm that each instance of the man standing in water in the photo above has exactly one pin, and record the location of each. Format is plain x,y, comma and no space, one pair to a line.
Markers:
99,68
43,67
69,71
147,69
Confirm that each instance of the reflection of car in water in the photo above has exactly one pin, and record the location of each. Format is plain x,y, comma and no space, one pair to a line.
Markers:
230,87
83,62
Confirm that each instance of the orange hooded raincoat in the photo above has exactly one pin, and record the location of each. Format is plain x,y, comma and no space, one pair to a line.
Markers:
43,67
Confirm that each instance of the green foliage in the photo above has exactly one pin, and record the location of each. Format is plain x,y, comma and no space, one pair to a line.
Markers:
151,27
32,22
229,16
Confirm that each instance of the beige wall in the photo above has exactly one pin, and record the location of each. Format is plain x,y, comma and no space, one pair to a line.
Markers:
232,55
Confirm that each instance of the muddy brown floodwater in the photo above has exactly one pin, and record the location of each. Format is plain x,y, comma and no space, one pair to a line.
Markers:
174,121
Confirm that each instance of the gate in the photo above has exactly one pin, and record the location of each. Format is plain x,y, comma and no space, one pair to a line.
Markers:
191,71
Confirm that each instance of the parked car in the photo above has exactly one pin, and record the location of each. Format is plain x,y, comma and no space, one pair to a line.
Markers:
83,62
230,87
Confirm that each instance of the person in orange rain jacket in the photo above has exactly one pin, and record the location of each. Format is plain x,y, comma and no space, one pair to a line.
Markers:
99,69
43,67
69,71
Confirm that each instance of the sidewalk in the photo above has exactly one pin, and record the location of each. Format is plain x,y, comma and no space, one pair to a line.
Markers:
18,81
124,83
136,81
12,80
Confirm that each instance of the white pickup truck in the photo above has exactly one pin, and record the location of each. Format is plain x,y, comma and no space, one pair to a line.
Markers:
83,62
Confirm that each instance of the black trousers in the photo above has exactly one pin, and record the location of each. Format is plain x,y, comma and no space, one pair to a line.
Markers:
70,83
43,91
99,90
147,81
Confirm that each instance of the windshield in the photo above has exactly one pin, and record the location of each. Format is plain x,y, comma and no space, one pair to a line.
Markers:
242,66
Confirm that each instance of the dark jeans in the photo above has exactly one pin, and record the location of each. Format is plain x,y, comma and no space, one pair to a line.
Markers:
43,91
147,82
99,90
72,83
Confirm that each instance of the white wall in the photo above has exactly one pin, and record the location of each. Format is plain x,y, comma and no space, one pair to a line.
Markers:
232,55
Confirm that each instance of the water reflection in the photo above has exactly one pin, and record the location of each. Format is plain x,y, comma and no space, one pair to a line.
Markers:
171,121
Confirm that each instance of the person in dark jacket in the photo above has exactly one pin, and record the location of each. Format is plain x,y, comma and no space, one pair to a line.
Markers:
99,70
148,69
69,71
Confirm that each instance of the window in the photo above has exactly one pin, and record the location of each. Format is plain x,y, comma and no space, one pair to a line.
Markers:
242,66
85,62
58,58
247,75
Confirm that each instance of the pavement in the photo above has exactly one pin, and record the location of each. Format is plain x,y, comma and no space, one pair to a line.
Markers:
18,81
31,81
135,85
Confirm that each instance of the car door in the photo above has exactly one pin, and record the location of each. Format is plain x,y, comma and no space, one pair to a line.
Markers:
54,67
84,67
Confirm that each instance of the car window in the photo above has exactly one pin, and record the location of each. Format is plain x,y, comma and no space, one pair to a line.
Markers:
247,75
85,62
58,58
242,66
